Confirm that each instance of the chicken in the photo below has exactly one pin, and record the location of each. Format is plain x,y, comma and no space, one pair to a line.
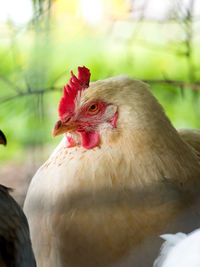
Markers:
3,140
180,250
121,176
191,137
15,244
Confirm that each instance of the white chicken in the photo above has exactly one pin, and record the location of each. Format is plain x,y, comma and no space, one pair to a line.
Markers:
121,176
180,250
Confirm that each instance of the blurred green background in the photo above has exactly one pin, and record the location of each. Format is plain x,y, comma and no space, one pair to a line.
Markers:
41,41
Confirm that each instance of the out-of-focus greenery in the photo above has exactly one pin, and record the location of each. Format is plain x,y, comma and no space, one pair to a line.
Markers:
41,55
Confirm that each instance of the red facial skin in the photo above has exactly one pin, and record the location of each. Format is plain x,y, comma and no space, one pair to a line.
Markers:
87,120
114,120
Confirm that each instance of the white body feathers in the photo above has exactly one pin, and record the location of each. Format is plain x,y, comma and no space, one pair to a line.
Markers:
106,206
180,250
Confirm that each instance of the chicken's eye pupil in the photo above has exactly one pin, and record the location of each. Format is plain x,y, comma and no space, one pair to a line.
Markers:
93,107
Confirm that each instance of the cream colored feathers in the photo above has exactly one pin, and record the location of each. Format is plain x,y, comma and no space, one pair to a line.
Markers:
191,137
106,206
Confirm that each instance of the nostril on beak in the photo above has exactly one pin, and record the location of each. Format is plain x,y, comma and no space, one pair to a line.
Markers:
67,119
58,124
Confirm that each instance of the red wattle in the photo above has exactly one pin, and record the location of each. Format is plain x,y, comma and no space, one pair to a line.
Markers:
89,139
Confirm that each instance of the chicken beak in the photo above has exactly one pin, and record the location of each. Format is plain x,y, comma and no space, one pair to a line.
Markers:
2,138
61,128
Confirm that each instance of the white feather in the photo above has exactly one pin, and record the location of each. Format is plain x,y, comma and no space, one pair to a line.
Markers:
180,250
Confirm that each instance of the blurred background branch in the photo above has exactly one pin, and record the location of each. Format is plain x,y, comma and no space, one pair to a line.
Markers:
29,92
194,86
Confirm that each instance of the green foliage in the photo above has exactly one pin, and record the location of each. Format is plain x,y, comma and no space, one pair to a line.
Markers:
40,60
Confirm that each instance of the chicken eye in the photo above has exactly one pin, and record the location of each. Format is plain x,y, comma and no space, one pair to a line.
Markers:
93,108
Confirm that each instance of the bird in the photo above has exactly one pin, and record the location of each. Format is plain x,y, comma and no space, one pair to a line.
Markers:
121,176
3,140
15,243
180,250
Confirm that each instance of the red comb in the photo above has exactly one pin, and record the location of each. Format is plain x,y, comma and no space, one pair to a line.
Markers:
70,90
